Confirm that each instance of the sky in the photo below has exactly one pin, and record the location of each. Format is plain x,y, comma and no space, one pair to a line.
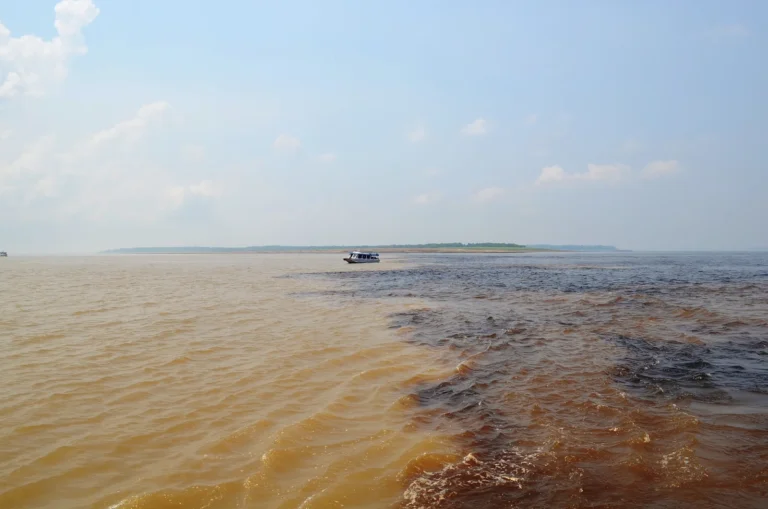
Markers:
233,123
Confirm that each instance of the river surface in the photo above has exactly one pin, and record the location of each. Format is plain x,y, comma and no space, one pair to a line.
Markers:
426,381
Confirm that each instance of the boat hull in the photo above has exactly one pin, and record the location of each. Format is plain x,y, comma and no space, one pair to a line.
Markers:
352,260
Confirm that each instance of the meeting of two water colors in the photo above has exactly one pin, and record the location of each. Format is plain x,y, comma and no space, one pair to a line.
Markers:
588,381
430,381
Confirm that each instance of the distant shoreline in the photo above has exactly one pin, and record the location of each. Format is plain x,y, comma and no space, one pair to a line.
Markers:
492,248
340,251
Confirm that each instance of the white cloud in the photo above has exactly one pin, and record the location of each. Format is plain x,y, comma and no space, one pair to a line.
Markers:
661,168
129,130
73,15
287,143
12,81
328,157
43,159
177,195
595,172
531,119
122,134
417,134
476,128
204,188
427,198
29,65
31,161
488,194
432,172
193,153
551,174
97,185
730,31
5,134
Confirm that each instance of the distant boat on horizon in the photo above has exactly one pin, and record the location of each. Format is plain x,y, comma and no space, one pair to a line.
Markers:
3,254
360,257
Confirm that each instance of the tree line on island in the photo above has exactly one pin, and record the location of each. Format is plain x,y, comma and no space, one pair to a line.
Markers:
469,246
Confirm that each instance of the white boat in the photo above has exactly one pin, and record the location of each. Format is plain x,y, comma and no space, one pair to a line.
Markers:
360,257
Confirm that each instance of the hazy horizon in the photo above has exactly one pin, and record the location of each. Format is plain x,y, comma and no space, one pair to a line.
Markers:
620,250
129,124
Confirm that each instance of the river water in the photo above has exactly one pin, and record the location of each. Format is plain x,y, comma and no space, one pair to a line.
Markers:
445,381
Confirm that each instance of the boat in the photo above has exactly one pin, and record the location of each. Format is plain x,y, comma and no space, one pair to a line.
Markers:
360,257
3,253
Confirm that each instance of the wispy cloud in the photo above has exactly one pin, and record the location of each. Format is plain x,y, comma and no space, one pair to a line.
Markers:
287,143
328,157
531,119
488,194
193,153
418,134
33,160
730,31
595,172
205,189
477,128
94,181
432,172
30,64
661,168
129,130
427,198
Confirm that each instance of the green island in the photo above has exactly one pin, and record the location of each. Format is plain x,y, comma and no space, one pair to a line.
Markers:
447,247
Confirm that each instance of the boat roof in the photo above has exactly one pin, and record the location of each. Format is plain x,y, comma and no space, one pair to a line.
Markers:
365,252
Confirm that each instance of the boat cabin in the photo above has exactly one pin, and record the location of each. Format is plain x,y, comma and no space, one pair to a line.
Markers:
360,257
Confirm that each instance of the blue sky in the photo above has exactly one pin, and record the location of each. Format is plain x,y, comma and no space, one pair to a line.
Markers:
638,124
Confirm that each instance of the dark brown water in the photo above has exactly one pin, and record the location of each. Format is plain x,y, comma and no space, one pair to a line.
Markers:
588,380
